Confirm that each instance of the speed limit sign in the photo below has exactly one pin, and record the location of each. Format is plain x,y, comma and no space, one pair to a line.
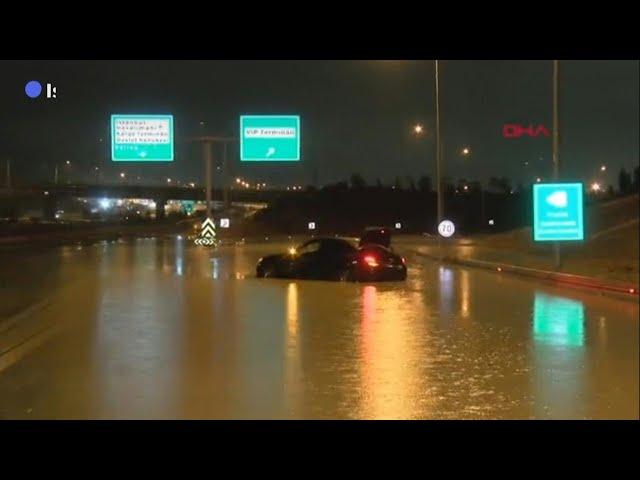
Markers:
446,228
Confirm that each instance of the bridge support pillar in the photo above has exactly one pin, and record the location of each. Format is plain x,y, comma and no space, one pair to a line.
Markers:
160,204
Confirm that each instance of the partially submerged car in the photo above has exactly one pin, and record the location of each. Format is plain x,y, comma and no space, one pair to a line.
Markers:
338,259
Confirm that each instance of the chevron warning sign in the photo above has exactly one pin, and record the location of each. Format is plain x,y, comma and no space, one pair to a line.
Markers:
207,234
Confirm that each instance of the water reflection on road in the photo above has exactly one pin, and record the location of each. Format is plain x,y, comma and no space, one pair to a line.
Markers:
158,328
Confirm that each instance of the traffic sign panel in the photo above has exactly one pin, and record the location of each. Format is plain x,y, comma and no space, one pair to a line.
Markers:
268,138
446,228
557,212
142,138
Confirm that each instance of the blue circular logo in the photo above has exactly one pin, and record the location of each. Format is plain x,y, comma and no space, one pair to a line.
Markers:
33,89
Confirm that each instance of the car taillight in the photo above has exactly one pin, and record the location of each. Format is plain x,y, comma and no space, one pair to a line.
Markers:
371,260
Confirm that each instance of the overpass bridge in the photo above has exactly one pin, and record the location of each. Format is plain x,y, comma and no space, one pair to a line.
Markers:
51,194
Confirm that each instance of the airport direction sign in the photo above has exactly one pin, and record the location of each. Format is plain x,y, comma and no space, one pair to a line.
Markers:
558,212
142,138
270,138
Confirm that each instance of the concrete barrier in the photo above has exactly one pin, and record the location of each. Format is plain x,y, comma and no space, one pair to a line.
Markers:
625,289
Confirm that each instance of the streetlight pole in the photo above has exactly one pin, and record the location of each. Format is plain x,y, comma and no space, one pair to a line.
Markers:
440,206
555,153
225,176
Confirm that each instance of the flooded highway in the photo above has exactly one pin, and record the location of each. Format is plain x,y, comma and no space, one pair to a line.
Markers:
161,329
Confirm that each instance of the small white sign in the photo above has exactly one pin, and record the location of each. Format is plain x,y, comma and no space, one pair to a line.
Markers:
446,228
312,225
224,223
398,225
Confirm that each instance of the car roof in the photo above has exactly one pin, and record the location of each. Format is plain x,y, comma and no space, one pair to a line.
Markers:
330,240
374,246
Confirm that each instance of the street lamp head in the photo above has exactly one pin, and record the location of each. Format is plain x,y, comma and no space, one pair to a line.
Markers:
595,187
121,174
466,151
603,168
418,129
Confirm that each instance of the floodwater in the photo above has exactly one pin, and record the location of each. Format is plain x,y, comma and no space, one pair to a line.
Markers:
161,329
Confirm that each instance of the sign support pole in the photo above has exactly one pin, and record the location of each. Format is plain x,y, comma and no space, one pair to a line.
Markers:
206,146
556,158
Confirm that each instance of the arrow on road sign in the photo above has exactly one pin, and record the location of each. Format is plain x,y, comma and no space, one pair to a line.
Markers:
558,199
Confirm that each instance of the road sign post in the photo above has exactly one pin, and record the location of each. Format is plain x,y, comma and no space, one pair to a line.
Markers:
142,138
558,212
269,138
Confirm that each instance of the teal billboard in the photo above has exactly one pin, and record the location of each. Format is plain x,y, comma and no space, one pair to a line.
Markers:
269,138
557,212
142,138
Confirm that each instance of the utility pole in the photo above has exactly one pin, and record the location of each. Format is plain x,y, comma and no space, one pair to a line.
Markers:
555,153
8,173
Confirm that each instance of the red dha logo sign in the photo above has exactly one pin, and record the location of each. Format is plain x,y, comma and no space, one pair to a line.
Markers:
516,131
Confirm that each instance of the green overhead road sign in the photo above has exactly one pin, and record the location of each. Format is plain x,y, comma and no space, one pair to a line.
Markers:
269,138
557,212
142,138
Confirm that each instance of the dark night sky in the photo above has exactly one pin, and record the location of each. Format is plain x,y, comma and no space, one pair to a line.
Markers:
356,115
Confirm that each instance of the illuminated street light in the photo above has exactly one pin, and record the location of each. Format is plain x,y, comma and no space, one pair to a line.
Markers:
595,187
238,180
538,180
466,187
603,168
121,174
466,151
418,129
168,180
68,162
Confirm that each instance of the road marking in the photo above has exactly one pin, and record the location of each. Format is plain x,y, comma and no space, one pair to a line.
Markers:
22,349
10,322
